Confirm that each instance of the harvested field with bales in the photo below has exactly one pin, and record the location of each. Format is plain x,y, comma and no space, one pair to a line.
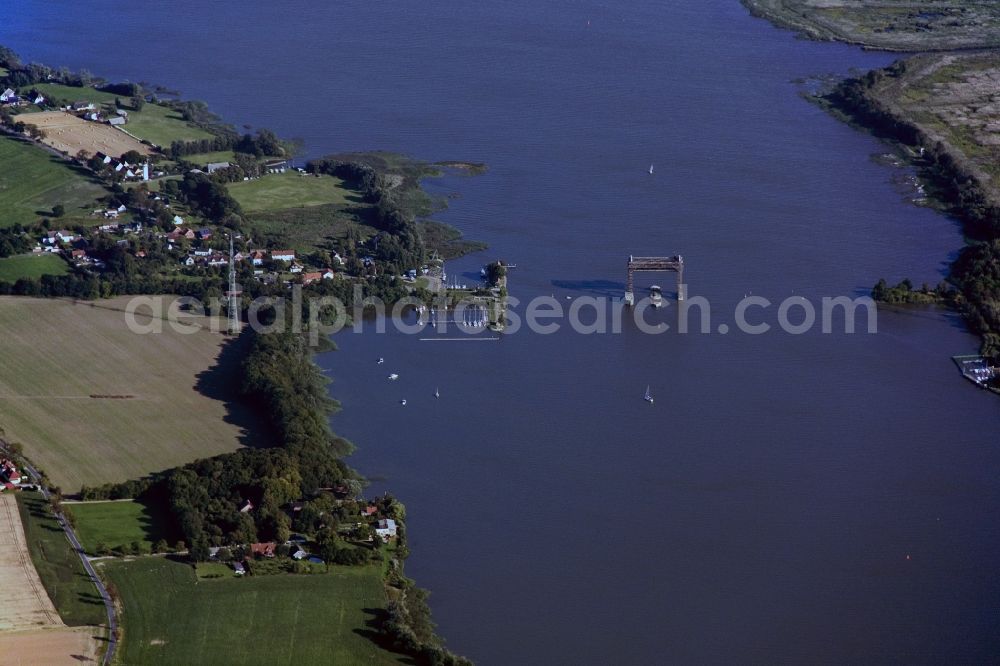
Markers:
69,134
93,402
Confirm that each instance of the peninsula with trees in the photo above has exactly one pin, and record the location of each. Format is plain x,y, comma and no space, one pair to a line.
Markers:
221,519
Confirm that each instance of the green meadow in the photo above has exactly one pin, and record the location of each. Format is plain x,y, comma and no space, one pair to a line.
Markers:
39,182
171,617
14,268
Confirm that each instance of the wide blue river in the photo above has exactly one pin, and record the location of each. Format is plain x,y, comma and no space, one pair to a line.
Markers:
788,498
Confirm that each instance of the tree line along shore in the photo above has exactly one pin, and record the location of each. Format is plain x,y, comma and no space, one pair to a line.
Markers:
938,108
127,220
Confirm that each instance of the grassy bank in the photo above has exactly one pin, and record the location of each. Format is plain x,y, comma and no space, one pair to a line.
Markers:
892,25
58,565
308,619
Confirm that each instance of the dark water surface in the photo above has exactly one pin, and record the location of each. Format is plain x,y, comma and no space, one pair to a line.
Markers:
764,508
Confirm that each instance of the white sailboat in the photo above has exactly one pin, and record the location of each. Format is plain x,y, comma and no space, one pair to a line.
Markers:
437,393
650,169
649,396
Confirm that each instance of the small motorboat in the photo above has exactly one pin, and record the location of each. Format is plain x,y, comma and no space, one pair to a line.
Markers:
437,393
403,402
656,296
650,169
381,360
393,377
649,396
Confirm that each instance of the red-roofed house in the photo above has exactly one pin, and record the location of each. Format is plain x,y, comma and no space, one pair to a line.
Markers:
263,549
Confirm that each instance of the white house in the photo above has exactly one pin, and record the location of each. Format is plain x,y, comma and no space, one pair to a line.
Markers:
65,236
296,268
386,529
216,166
282,255
38,99
8,95
328,274
117,121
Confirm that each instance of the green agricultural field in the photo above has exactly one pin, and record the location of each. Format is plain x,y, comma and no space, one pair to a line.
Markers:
162,125
71,94
114,524
205,158
170,617
38,181
59,567
306,229
291,190
13,269
93,402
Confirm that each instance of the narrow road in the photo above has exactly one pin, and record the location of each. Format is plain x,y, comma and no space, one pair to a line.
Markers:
109,605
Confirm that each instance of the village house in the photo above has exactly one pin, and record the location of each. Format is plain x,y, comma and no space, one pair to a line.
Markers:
309,278
386,529
296,268
204,233
276,166
239,569
369,510
282,255
263,549
189,261
117,121
9,473
64,236
212,167
217,260
83,105
179,233
8,96
37,99
257,257
328,274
